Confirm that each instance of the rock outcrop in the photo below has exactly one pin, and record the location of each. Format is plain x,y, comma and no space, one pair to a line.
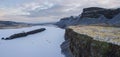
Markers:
93,16
23,34
96,12
91,41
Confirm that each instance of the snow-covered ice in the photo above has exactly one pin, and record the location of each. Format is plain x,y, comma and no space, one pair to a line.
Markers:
43,44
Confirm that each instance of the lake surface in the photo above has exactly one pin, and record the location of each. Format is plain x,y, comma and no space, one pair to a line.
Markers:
43,44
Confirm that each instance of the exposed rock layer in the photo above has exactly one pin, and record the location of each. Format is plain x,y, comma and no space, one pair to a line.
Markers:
82,44
93,16
96,12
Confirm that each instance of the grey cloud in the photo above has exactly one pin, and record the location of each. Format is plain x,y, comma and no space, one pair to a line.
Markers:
59,9
55,10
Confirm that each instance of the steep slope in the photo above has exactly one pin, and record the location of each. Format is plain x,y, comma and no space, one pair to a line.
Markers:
93,16
92,41
96,12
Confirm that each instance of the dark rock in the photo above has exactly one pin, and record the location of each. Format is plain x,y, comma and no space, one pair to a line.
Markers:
2,38
23,34
96,12
65,48
83,45
115,21
35,31
93,16
64,22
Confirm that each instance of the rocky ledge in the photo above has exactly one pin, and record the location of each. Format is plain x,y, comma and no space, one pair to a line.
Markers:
92,41
96,12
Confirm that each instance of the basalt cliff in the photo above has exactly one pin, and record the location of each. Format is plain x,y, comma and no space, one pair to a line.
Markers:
91,41
93,16
94,33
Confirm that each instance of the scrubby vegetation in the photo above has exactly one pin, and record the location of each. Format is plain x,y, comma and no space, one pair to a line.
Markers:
109,34
23,34
92,41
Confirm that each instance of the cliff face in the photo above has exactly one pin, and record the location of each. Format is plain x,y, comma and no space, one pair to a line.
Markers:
96,12
93,16
92,41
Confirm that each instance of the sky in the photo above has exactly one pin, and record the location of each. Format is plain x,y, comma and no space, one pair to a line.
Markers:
39,11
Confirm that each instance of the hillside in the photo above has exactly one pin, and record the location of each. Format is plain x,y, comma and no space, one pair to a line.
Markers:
94,33
93,16
11,24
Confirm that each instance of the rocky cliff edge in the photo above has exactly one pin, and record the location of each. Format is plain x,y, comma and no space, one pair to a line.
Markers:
92,41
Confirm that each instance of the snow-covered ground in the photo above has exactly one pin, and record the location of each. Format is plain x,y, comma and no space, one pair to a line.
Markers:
43,44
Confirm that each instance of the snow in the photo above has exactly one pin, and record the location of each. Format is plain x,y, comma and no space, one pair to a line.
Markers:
43,44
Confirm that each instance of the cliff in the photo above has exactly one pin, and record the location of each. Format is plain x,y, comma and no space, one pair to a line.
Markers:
96,12
91,41
93,16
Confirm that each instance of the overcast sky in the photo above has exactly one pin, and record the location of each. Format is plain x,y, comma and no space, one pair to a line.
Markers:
37,11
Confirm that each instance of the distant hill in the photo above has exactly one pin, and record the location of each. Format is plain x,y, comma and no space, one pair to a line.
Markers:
11,24
93,16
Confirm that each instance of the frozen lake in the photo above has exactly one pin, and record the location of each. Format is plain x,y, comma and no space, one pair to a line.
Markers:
43,44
